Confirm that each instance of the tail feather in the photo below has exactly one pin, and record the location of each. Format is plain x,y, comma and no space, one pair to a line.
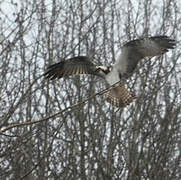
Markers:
120,96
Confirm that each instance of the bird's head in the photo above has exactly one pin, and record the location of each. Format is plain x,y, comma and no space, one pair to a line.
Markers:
104,69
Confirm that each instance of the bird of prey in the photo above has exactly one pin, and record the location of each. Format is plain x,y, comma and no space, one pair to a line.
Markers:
131,53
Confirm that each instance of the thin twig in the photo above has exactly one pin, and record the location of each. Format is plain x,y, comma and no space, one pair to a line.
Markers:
56,114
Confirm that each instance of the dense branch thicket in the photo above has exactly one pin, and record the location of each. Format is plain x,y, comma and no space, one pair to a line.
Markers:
95,140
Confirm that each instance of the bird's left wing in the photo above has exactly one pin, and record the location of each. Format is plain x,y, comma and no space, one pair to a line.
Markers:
138,49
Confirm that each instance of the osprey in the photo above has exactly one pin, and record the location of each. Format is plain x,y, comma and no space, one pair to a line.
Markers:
131,53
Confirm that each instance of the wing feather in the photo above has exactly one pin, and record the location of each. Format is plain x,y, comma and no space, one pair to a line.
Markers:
134,51
72,66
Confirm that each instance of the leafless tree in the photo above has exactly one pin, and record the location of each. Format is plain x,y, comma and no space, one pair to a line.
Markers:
41,139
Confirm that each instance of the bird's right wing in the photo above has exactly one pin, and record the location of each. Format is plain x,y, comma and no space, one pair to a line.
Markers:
72,66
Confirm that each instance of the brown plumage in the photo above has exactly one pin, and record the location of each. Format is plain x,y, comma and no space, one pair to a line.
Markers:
120,96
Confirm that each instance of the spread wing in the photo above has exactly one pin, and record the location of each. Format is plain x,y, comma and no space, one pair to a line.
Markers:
138,49
72,66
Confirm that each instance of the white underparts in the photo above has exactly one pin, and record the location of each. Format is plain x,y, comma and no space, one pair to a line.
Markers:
112,77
